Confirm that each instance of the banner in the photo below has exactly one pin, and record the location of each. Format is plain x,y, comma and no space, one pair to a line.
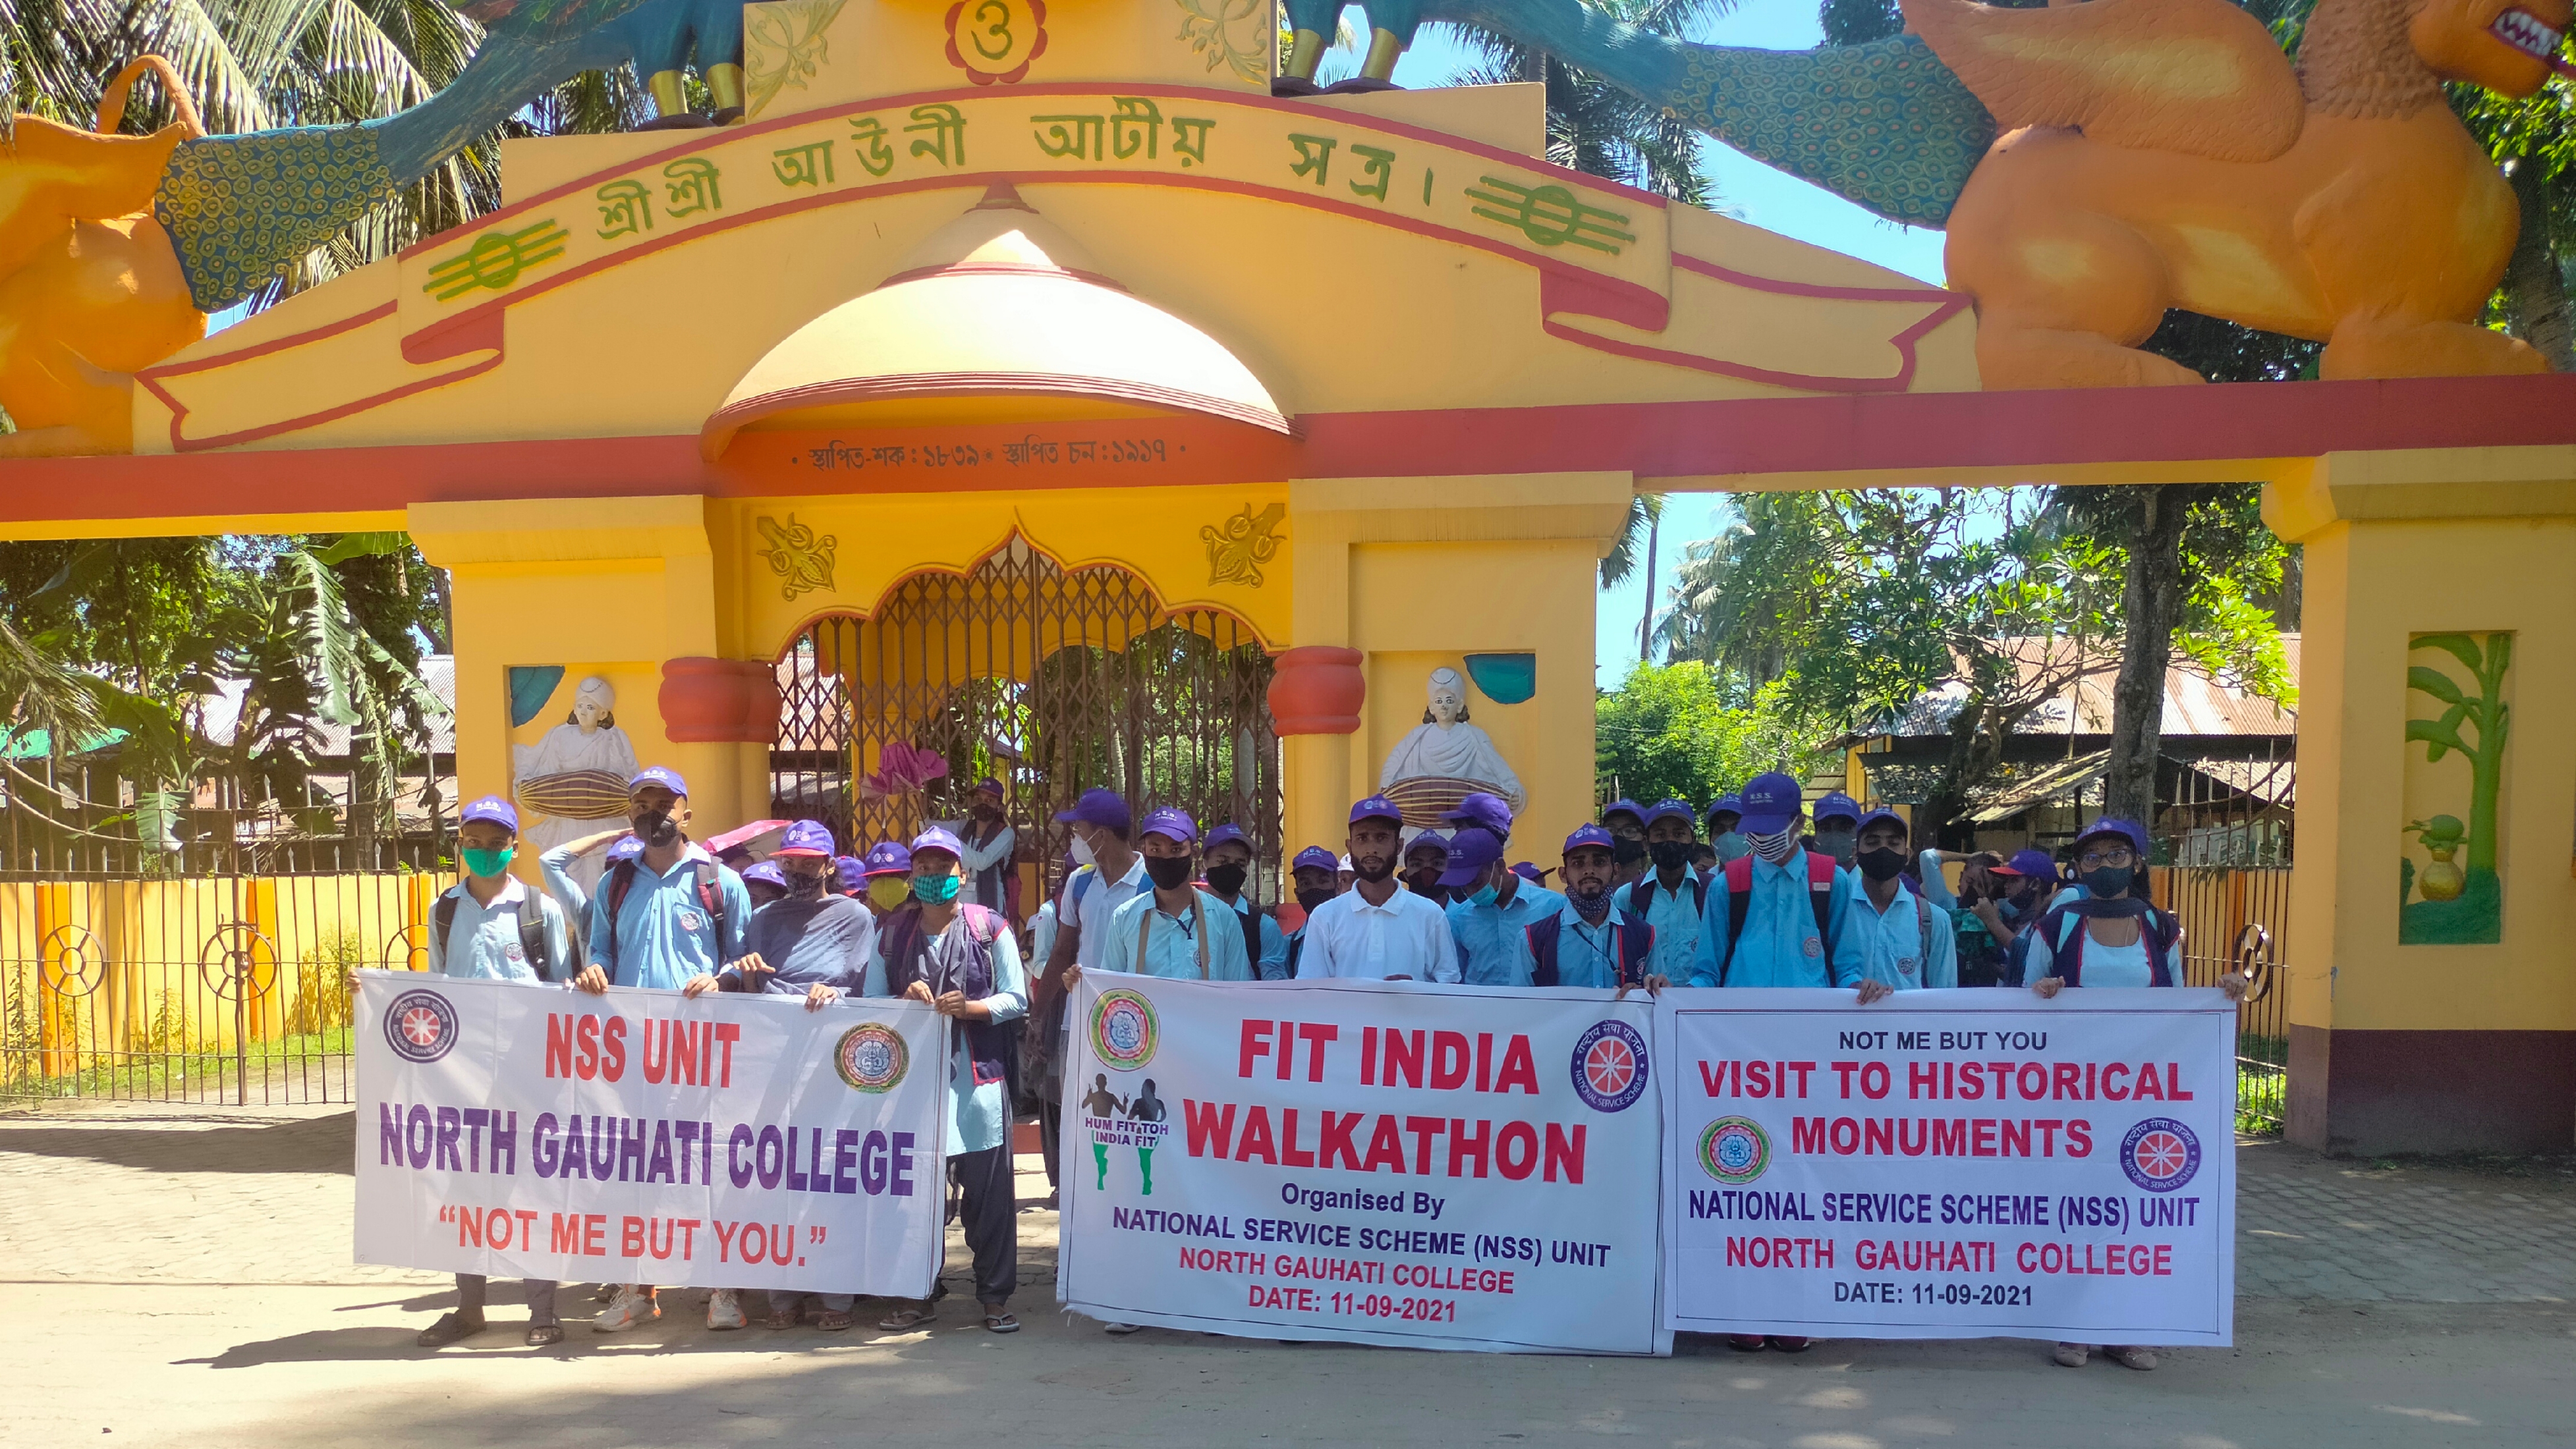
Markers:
641,1137
1393,1163
1952,1164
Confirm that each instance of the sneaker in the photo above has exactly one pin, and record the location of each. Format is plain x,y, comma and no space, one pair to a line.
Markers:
2141,1359
1787,1344
1746,1342
724,1310
2073,1355
1122,1329
626,1308
450,1328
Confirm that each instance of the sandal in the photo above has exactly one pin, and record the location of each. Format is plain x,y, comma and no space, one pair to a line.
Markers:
905,1320
544,1335
831,1322
782,1320
1000,1323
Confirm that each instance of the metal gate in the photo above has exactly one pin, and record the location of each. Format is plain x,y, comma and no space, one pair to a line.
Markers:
2224,845
1052,680
195,948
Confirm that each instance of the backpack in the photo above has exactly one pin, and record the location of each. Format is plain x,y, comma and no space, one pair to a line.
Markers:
2158,928
1635,943
1698,890
622,880
1251,921
532,930
1821,874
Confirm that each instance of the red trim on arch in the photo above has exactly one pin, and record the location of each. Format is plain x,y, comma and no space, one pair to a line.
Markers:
450,340
1945,304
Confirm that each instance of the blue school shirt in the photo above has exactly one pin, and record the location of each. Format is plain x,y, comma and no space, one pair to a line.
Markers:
1676,917
1492,947
979,1116
1172,948
1779,945
483,941
1272,961
663,934
1892,944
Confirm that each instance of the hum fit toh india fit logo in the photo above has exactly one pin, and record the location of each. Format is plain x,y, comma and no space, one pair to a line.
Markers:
871,1058
1123,1031
1610,1066
420,1026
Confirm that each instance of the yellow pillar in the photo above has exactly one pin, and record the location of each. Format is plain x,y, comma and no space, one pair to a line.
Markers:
2431,1047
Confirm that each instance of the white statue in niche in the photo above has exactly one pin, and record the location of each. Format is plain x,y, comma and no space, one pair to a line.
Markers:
572,781
1444,759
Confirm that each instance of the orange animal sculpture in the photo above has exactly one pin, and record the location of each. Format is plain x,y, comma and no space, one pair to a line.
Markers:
90,291
2163,153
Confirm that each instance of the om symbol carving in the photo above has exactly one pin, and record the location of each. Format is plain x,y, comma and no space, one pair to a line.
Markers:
993,41
1239,546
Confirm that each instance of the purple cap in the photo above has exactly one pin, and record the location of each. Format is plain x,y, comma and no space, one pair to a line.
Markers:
1528,870
1470,852
990,786
1590,835
1227,835
806,837
1428,840
1623,806
1315,857
887,858
768,872
937,839
662,775
1771,802
1731,804
1480,808
2037,864
1168,821
853,876
1890,816
1100,807
491,808
2128,830
1676,809
1377,807
627,848
1836,804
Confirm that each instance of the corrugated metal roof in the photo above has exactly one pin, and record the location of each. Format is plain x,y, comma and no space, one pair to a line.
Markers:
2195,704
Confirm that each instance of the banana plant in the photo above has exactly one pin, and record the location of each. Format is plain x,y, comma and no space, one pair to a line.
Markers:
2484,715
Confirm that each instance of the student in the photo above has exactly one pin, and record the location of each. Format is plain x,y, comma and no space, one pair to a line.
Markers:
1315,878
1795,905
1670,897
2110,936
1490,909
1837,818
850,877
1344,876
669,914
1996,901
1528,870
813,944
991,844
1723,816
1907,943
1594,941
1626,822
1482,810
490,926
1042,921
885,878
1228,854
1377,930
1174,931
1425,857
1111,874
1703,859
765,884
962,960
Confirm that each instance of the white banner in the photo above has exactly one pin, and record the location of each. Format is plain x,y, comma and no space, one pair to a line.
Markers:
1375,1162
1954,1164
639,1137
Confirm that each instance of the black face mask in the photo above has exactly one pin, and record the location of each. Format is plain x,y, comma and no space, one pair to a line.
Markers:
2108,881
801,887
1591,905
1309,897
1881,864
1227,880
655,827
1628,852
1840,844
1168,872
1426,884
1669,854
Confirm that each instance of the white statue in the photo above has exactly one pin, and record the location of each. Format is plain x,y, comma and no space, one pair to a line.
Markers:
572,781
1445,747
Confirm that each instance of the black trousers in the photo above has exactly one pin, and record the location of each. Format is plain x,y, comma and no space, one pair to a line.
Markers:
470,1288
1051,1136
991,1220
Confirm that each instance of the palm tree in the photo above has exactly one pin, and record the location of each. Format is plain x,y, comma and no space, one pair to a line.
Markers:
1593,126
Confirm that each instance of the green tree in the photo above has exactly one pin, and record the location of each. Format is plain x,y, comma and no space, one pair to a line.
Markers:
1672,732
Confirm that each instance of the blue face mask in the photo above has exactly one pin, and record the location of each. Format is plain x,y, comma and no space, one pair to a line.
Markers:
1484,897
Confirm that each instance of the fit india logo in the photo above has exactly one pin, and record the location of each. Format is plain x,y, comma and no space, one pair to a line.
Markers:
420,1026
1610,1066
871,1058
2160,1154
1123,1029
1734,1150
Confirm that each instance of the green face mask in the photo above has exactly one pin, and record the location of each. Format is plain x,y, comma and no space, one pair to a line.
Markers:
936,890
486,863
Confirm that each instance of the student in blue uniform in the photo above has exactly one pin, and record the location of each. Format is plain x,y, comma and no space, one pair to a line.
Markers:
1907,943
1671,897
1594,941
491,927
1174,930
1725,815
1837,818
1797,904
1228,857
1490,906
1626,821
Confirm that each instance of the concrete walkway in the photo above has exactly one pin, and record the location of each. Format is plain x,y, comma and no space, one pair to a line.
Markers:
186,1277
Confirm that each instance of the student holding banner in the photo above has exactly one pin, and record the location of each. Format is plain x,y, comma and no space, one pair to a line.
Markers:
1795,904
963,961
1377,930
1595,941
1174,930
491,926
1907,943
